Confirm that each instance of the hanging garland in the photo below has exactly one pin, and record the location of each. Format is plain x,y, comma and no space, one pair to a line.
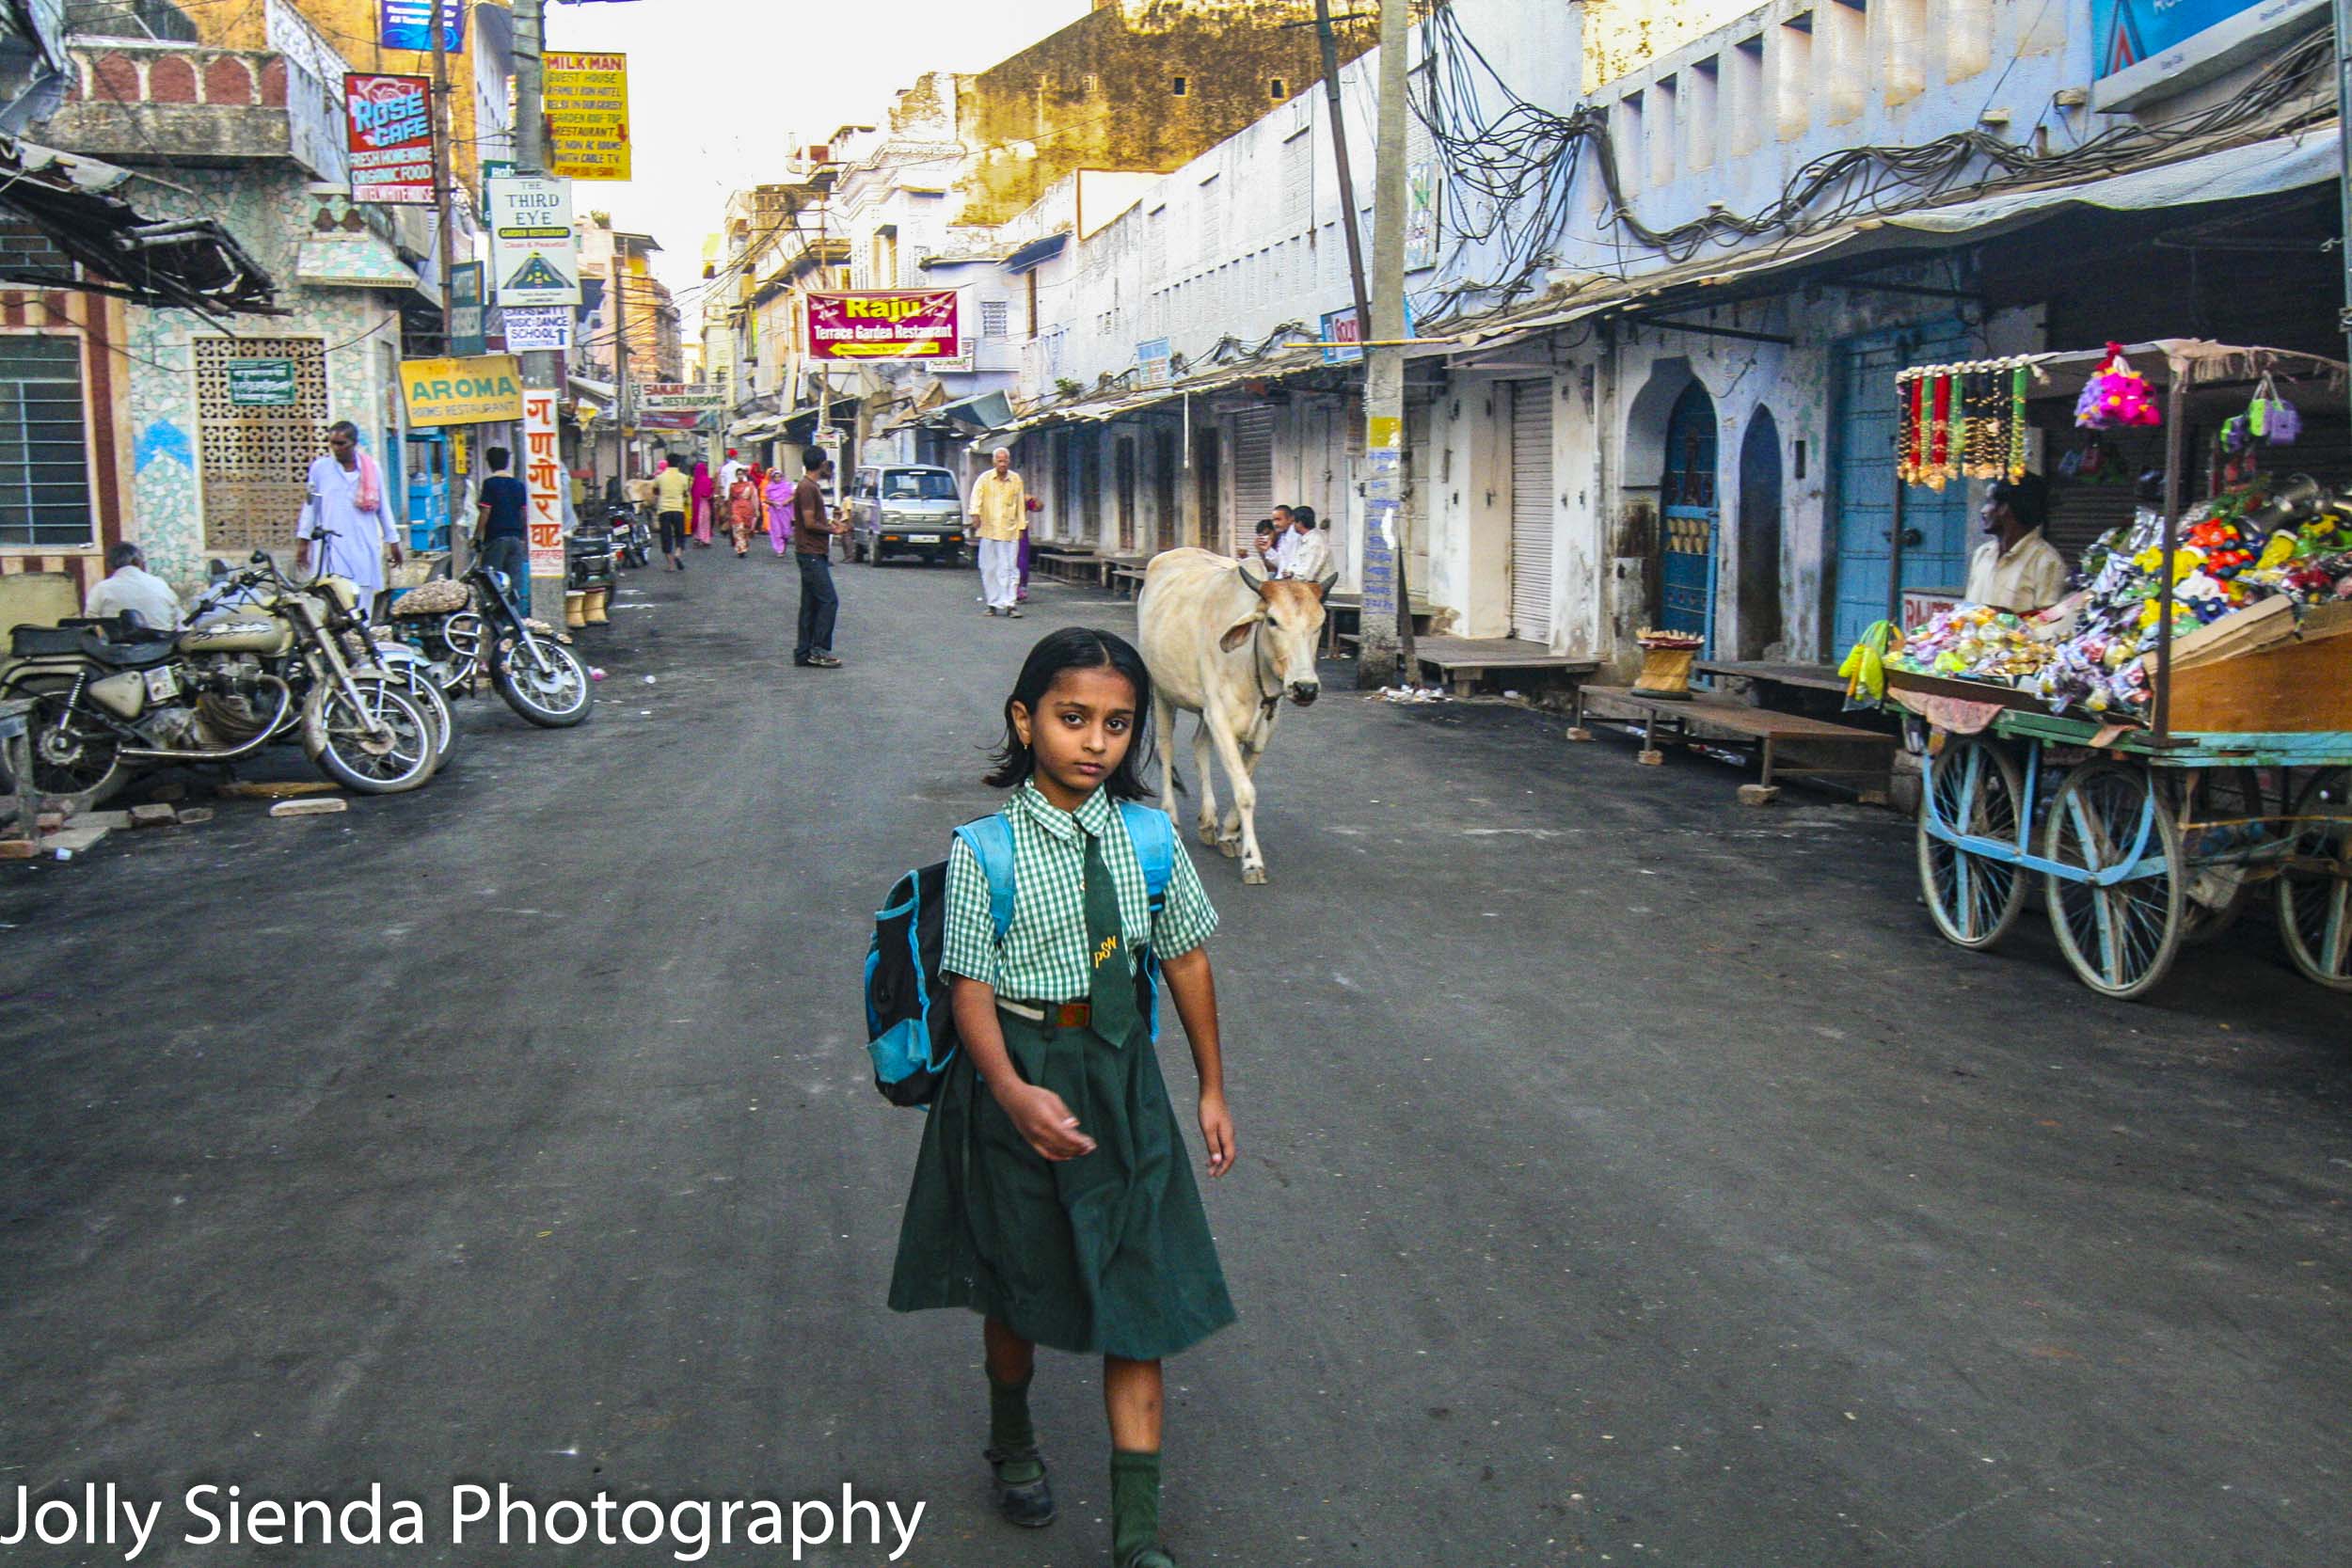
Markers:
1966,420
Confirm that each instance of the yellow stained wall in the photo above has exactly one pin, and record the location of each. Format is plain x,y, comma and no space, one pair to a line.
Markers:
350,27
1622,36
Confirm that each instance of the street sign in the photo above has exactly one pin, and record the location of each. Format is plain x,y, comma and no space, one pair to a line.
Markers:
401,25
543,476
465,309
262,384
387,126
533,252
827,436
1151,357
675,397
534,327
879,324
462,391
1340,327
586,97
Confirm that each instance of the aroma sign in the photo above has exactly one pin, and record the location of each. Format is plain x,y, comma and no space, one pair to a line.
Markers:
884,324
462,391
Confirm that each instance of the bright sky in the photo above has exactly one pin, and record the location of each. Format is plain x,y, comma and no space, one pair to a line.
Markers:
720,89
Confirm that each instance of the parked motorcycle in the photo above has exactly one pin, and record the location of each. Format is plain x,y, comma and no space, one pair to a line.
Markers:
588,556
458,623
112,703
632,542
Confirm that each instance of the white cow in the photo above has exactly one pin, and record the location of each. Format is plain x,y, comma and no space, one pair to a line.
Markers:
1228,643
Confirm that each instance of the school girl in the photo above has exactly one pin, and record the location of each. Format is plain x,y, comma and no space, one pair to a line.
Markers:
1053,1195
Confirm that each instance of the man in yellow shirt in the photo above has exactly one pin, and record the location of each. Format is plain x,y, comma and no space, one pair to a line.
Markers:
669,493
1001,510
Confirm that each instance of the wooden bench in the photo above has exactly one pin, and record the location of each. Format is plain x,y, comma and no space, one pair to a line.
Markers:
1461,663
1066,565
1789,743
1127,581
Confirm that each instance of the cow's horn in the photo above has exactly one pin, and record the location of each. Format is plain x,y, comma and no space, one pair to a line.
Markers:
1255,579
1324,583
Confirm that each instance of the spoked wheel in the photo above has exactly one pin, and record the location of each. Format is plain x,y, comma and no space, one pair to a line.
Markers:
2122,936
2315,889
1972,787
554,698
2219,891
74,757
381,747
416,683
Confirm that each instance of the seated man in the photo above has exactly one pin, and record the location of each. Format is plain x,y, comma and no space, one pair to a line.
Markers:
2016,569
1309,550
130,586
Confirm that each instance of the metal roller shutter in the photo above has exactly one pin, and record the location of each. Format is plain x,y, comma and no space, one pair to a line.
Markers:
1253,470
1532,511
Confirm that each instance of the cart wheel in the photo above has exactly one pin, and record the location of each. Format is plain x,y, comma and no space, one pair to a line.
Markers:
2120,938
1971,786
2315,889
2223,793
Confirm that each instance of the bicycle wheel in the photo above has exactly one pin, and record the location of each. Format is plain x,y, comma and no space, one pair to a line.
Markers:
1972,787
2315,888
2121,936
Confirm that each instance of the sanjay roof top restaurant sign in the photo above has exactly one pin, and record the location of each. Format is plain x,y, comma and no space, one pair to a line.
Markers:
884,324
387,123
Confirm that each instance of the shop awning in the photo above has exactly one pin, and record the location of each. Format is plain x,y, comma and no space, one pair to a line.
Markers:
2233,174
982,411
191,263
1029,255
354,261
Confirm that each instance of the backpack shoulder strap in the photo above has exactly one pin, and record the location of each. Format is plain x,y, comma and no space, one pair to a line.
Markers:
990,839
1154,835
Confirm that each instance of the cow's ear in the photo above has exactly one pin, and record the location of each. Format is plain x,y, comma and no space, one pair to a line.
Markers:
1254,578
1324,583
1238,635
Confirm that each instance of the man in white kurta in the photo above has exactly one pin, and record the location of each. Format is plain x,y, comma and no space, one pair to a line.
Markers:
344,507
1000,509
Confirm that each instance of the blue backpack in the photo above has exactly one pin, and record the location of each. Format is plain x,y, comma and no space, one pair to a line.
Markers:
910,1031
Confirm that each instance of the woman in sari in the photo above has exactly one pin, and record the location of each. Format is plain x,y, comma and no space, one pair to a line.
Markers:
704,487
742,512
779,492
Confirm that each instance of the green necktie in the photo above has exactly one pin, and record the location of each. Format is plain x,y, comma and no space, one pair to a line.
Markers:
1112,989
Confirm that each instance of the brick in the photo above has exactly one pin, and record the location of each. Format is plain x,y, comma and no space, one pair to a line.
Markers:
49,821
155,816
102,820
17,849
286,790
195,815
170,79
227,80
73,841
1759,795
309,808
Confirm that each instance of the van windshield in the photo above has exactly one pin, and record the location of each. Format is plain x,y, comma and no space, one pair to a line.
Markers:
915,484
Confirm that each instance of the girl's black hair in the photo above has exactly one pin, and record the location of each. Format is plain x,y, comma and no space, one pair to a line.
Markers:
1076,648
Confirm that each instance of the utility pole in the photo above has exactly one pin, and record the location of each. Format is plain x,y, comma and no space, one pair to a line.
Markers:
620,351
443,175
1387,649
2343,14
543,368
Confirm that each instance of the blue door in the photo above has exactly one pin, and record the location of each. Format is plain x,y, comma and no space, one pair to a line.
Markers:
1686,495
1937,554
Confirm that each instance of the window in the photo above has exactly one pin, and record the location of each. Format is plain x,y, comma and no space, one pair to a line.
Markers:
1087,84
1278,89
1180,87
25,249
994,318
918,485
44,464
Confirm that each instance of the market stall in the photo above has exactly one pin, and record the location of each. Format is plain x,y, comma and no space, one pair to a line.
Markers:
2172,738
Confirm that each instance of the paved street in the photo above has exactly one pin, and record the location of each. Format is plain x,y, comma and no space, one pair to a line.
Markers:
1626,1175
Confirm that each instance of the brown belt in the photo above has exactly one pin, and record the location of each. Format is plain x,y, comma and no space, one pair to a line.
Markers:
1061,1015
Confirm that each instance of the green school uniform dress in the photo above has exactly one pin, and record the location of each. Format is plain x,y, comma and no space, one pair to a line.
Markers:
1109,1253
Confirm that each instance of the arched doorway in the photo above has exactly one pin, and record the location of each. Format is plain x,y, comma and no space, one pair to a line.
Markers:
1760,536
1686,499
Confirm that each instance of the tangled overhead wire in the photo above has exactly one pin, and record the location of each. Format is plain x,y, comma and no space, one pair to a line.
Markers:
1518,165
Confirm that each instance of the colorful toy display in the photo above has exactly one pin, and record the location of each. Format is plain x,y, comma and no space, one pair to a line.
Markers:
1963,422
2087,653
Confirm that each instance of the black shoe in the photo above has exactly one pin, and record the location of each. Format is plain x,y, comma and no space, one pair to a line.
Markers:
1028,1503
799,662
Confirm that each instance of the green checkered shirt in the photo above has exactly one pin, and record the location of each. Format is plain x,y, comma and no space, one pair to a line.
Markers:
1043,957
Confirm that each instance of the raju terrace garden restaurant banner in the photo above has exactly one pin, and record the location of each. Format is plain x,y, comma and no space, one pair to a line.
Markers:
884,324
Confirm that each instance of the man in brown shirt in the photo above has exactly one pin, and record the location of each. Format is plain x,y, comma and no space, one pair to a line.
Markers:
813,529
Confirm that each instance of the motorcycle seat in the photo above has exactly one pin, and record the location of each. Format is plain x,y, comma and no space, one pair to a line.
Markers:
85,642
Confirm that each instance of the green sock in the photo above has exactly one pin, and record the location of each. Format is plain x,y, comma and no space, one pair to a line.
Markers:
1135,1503
1012,1436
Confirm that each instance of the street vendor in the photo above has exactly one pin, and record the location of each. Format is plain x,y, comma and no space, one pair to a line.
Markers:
2016,569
